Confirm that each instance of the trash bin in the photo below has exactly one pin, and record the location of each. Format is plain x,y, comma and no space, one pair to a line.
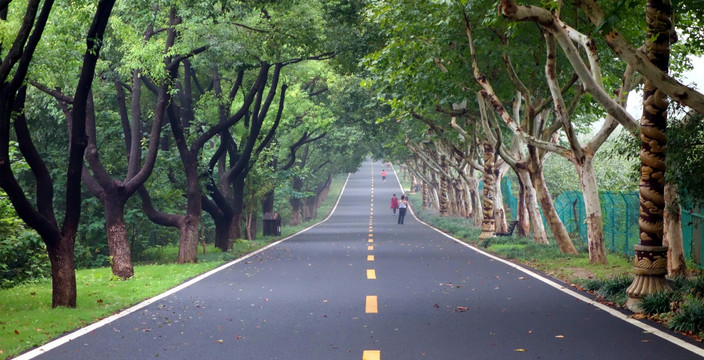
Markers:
271,224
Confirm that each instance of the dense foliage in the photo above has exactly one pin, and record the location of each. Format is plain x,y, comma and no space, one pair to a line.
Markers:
22,253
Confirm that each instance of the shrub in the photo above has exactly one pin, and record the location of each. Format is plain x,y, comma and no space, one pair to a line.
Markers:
696,286
591,284
23,258
690,316
612,289
615,286
658,302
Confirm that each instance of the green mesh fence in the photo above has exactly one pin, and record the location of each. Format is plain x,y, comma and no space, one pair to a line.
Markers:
620,211
509,199
692,234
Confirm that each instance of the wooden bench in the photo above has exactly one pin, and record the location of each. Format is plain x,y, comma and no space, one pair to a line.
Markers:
509,232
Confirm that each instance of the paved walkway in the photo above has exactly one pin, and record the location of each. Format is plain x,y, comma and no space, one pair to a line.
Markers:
361,286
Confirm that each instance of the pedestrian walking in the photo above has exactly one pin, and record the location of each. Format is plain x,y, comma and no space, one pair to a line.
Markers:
402,207
394,204
383,175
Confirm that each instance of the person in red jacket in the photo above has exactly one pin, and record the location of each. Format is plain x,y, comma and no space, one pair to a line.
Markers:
383,175
394,204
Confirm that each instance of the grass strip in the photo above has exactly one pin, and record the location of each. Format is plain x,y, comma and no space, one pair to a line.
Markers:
28,320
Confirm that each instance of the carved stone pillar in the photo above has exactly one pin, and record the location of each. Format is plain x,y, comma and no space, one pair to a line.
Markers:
651,256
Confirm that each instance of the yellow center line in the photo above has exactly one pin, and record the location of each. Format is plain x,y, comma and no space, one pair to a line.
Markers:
370,257
370,240
370,247
371,306
371,274
371,355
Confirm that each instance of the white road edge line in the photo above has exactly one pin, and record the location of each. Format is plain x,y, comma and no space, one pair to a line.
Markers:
617,314
85,330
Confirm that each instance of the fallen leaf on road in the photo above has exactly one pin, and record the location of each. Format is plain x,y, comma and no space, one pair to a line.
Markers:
639,316
461,309
220,341
645,341
520,350
523,278
560,336
435,306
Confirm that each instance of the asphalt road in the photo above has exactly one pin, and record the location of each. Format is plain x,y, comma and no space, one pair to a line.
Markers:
360,286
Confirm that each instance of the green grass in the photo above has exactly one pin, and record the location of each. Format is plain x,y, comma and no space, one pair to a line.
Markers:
28,320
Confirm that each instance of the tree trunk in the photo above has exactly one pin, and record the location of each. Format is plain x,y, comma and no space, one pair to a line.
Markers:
268,202
460,195
562,237
444,200
499,211
188,241
325,193
235,229
522,216
536,221
475,201
651,256
63,273
425,196
488,224
676,263
309,208
296,203
118,244
222,233
237,207
250,225
592,206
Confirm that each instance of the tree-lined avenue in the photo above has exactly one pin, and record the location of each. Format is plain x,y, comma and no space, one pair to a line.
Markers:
309,298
